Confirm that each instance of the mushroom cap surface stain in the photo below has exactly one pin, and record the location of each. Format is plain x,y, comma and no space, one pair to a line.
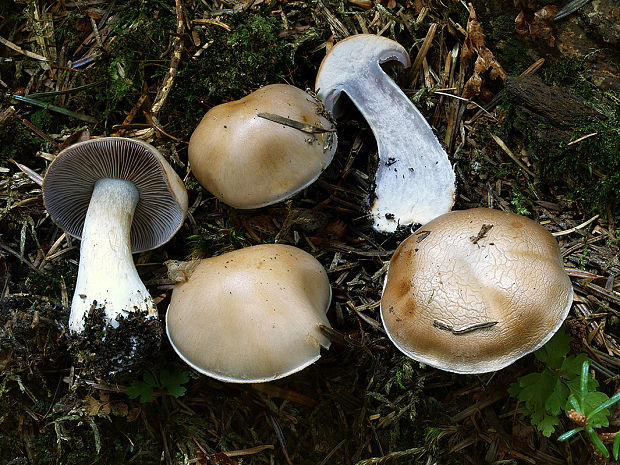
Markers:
480,290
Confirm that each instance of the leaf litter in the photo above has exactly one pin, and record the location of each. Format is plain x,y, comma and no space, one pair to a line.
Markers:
145,72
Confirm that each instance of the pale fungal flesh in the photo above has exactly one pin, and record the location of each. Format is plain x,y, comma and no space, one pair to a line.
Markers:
263,148
414,182
119,196
474,290
251,315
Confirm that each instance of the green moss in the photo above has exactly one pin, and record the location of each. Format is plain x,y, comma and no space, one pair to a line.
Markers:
587,171
132,57
42,119
17,142
506,44
234,64
573,74
49,283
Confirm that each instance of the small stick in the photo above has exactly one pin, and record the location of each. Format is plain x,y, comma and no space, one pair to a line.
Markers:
308,128
572,230
511,155
468,329
18,49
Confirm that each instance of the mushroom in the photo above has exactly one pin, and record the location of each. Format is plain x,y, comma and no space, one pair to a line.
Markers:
251,315
119,196
474,290
263,148
414,182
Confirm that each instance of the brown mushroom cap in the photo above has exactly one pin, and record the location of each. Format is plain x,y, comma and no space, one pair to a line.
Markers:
251,315
71,178
248,161
472,291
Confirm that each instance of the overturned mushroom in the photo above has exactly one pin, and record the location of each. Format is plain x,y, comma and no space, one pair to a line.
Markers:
263,148
251,315
119,196
414,179
472,291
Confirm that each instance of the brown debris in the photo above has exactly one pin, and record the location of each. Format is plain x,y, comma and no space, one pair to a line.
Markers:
474,45
363,402
533,23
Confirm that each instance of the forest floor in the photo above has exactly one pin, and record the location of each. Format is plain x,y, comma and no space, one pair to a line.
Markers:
526,103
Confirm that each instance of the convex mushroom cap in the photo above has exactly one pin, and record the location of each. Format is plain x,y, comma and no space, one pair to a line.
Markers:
414,182
249,154
251,315
474,290
119,196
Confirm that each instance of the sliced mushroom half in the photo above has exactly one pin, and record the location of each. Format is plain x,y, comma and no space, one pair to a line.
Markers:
414,182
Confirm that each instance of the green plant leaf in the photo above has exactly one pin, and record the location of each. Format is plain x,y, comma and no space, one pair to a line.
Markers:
553,352
173,382
547,424
616,446
570,372
141,389
557,399
608,403
150,379
597,442
543,395
573,403
585,374
591,403
569,434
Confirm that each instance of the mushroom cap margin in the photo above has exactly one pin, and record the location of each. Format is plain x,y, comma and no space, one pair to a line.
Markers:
344,63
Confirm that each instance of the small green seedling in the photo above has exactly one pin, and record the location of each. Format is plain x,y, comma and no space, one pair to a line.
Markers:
544,394
171,382
593,407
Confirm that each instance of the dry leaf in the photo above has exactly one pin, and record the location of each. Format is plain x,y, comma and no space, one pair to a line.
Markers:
132,414
475,46
535,23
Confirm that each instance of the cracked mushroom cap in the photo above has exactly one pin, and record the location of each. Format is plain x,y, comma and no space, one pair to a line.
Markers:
474,290
250,161
71,178
251,315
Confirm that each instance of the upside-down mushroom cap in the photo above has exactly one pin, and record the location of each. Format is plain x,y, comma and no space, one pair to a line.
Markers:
250,161
251,315
71,178
474,290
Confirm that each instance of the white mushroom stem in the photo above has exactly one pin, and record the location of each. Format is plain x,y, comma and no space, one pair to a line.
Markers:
414,181
107,276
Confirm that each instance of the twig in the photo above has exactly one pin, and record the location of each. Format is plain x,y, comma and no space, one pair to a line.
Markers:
426,45
464,100
22,259
569,8
511,155
307,128
177,50
18,49
582,138
572,230
32,175
280,435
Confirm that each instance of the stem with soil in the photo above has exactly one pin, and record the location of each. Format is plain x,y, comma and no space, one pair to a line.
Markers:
107,276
